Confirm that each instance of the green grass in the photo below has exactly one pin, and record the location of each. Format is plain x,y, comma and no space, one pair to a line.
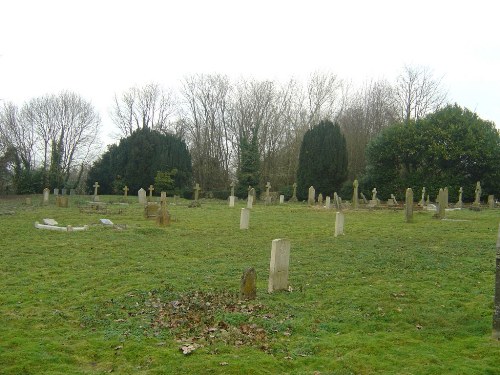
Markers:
388,297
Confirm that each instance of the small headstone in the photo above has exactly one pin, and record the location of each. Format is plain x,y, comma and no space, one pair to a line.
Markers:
339,223
50,222
320,199
477,200
491,201
282,199
409,205
62,201
355,200
294,195
311,196
496,312
142,196
279,264
327,202
106,222
248,284
163,196
151,210
231,201
56,191
46,193
63,191
245,218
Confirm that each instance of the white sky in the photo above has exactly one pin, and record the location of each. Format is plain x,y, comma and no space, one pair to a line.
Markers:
99,48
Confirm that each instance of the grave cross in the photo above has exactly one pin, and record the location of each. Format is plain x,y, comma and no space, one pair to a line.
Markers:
95,186
125,189
268,187
151,188
196,191
374,192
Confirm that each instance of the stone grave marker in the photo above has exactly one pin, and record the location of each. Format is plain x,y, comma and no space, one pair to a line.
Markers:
491,201
339,223
282,199
477,199
46,193
393,197
294,195
278,266
163,216
72,192
248,284
151,210
445,191
311,196
106,222
441,205
422,200
268,196
245,218
125,191
496,312
355,199
96,186
409,205
62,201
320,199
141,194
374,200
365,201
460,204
56,191
151,188
63,191
197,191
50,222
250,200
327,202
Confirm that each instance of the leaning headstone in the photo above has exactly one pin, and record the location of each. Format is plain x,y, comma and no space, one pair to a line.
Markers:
46,193
496,312
279,264
327,203
282,199
477,199
245,218
311,196
365,201
491,201
393,197
460,204
56,191
409,205
142,196
294,194
320,199
248,284
339,223
355,199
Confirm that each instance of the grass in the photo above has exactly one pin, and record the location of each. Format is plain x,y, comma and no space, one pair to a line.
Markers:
388,297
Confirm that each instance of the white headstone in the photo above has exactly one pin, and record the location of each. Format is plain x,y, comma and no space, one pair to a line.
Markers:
46,193
142,196
245,218
106,221
56,191
339,223
282,199
278,267
231,201
49,222
327,202
250,201
311,197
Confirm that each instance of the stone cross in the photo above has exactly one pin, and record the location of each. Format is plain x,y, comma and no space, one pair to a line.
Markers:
294,195
374,194
496,312
422,201
409,205
477,200
355,200
151,188
268,187
95,186
196,191
278,266
232,188
125,191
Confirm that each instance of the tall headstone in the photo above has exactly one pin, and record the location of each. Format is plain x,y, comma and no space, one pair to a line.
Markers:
374,200
250,200
477,199
268,193
56,191
141,194
491,201
336,201
63,191
422,200
355,197
441,205
339,223
294,194
163,216
311,196
496,313
197,191
96,186
327,202
46,193
245,218
460,204
320,199
279,264
248,284
125,191
409,205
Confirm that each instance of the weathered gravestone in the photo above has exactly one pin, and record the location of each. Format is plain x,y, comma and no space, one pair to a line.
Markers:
56,191
496,313
245,218
62,201
445,192
268,194
151,188
163,216
441,205
320,199
231,200
422,200
327,202
491,201
409,205
460,204
365,201
63,191
49,222
278,266
197,189
46,193
125,191
339,224
337,201
151,210
96,186
294,194
282,199
248,284
141,194
250,200
106,222
374,200
477,199
311,196
355,199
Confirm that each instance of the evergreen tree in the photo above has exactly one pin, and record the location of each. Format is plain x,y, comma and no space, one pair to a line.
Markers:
322,160
248,172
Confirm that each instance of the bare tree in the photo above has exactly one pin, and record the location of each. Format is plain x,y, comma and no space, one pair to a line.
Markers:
417,93
323,94
149,106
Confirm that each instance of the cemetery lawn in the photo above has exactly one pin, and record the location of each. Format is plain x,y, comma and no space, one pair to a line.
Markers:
387,297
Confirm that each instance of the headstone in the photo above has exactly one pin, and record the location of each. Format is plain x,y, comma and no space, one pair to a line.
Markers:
294,195
231,201
445,195
162,215
106,222
339,223
477,200
390,202
374,200
248,284
245,218
151,210
254,194
151,188
279,264
163,196
282,199
311,196
27,201
197,191
409,205
428,201
441,205
62,201
125,191
50,222
355,199
141,194
320,199
422,200
491,201
336,201
365,201
63,191
96,186
327,202
460,204
72,192
46,193
56,191
268,196
250,200
496,313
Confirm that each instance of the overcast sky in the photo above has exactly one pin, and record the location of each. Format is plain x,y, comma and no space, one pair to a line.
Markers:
99,48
